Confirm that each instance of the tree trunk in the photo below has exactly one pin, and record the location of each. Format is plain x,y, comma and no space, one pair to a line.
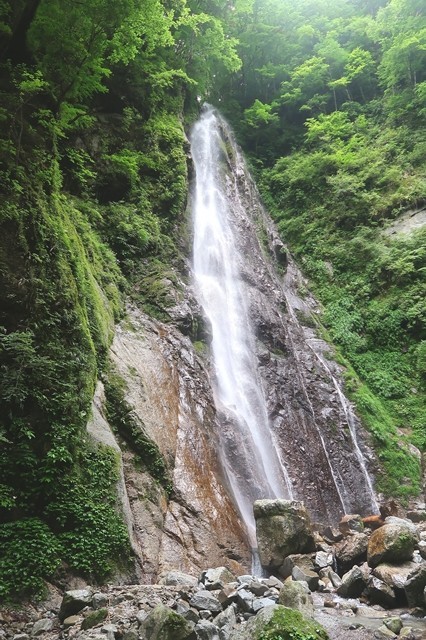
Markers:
16,47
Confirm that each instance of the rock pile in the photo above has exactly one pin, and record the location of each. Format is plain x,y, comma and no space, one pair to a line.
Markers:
218,607
327,576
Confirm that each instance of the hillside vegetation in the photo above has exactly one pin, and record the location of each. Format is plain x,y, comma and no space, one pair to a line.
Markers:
328,100
330,103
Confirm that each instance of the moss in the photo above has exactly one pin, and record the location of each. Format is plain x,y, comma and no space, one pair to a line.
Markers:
94,618
289,624
124,422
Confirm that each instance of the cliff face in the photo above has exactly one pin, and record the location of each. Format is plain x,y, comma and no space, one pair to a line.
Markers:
168,387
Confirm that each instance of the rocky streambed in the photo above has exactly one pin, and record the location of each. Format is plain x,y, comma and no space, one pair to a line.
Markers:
364,579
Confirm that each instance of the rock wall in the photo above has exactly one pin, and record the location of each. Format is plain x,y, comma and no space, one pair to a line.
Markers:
169,391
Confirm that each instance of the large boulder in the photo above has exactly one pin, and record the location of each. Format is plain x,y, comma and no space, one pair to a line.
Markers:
164,624
296,595
280,622
353,583
395,575
414,587
352,550
283,527
394,542
74,601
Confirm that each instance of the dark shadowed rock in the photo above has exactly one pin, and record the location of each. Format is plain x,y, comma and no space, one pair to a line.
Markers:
353,583
352,550
283,527
380,593
74,601
414,587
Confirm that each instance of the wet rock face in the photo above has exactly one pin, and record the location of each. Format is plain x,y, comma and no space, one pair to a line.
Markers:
169,391
319,437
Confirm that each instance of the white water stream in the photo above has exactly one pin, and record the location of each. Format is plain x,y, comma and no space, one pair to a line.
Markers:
249,458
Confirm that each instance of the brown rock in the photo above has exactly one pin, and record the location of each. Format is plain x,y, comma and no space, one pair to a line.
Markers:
394,543
351,523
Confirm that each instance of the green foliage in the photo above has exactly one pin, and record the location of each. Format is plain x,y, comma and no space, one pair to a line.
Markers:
289,624
30,553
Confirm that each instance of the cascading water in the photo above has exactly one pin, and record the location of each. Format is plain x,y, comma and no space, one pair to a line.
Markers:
249,458
286,428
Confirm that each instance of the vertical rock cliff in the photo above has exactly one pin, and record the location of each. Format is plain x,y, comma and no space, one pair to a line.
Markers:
172,385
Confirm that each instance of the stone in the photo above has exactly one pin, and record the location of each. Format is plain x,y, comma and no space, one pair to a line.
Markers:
131,634
351,551
226,618
383,633
164,624
216,578
99,600
414,586
245,600
206,630
273,581
335,579
421,546
394,624
286,622
205,600
304,561
353,583
21,636
261,603
296,595
258,588
395,575
94,618
178,579
42,626
306,575
380,593
332,535
74,601
283,527
323,559
393,543
416,516
71,621
351,523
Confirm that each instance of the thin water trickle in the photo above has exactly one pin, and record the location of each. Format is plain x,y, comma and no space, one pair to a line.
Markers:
249,458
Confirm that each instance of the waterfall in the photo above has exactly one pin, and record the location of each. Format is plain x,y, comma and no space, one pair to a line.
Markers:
285,427
250,460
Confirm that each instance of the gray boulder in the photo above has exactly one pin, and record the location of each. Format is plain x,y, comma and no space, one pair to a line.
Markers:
283,527
296,595
203,600
353,583
414,586
206,630
164,624
178,579
352,550
394,542
216,578
380,593
74,601
395,575
42,626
